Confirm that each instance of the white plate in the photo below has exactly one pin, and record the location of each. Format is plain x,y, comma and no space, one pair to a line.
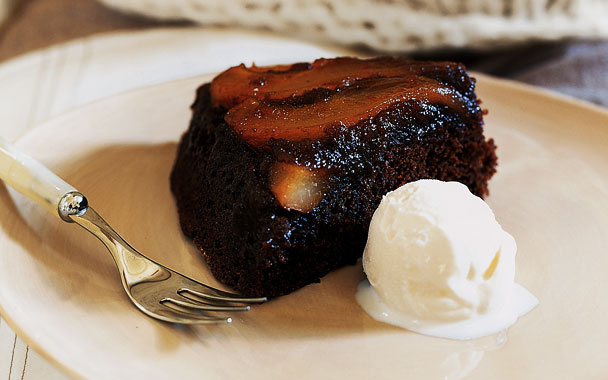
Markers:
60,291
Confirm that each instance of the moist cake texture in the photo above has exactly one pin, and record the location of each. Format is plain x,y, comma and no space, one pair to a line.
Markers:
279,173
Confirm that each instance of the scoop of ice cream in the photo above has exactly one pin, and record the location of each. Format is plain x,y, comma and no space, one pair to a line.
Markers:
436,256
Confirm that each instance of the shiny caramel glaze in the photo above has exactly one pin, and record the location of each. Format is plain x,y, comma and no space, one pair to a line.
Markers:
283,81
259,121
306,101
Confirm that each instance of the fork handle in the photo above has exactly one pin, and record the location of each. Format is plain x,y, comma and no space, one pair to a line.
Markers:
31,178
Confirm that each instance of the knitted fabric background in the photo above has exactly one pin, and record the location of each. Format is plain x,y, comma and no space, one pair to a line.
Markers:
395,25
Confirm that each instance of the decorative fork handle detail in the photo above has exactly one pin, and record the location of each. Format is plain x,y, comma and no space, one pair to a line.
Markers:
32,179
38,183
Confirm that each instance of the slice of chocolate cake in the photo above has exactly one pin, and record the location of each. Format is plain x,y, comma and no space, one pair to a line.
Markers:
282,167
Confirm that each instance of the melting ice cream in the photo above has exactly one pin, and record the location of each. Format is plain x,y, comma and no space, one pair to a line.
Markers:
438,263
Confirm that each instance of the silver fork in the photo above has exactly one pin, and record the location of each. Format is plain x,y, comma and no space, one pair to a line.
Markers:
155,289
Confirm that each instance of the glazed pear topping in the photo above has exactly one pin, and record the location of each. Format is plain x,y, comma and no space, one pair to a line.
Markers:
283,81
296,187
271,107
257,121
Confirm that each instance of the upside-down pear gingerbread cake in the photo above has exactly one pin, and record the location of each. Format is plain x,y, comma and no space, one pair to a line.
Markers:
282,167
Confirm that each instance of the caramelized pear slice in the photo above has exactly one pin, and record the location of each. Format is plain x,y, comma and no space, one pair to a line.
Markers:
296,187
257,121
278,82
